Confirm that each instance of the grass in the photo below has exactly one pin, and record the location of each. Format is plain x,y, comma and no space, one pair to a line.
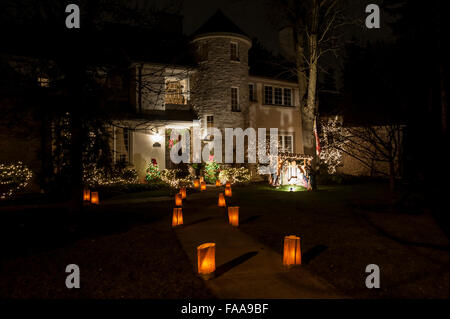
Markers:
346,228
127,251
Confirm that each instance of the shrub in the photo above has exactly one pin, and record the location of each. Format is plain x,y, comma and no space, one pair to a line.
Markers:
211,172
94,176
234,175
13,178
175,177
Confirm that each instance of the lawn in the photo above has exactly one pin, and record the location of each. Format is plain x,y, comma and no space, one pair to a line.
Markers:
123,251
345,228
128,249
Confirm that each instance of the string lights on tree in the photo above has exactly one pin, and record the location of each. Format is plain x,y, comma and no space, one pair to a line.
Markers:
332,143
13,178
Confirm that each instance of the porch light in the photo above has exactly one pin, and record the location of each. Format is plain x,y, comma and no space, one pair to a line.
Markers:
157,138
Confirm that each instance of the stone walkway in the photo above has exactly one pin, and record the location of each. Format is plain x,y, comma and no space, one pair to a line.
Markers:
244,267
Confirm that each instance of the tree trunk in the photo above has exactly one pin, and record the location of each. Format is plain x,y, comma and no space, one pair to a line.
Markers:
391,177
76,149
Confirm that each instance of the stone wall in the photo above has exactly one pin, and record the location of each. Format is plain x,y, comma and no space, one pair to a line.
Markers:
211,85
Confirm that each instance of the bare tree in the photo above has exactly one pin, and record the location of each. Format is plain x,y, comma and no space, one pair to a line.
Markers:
315,29
377,147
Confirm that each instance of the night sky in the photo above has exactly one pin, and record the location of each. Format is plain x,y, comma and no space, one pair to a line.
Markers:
257,18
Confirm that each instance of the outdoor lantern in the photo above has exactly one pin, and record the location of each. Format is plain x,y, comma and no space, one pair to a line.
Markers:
177,217
218,183
228,184
196,183
94,198
201,179
206,256
87,195
222,202
233,215
292,254
178,199
228,191
203,186
183,192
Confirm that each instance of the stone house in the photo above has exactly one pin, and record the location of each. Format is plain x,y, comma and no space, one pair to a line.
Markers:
218,90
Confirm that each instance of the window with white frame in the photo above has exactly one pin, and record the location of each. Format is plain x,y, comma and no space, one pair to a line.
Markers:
277,96
235,99
268,95
234,51
286,143
287,95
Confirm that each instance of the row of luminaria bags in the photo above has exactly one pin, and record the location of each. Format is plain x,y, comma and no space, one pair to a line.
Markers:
206,253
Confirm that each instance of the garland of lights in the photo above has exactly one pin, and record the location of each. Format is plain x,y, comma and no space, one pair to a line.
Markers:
234,175
152,172
14,177
94,176
169,176
333,144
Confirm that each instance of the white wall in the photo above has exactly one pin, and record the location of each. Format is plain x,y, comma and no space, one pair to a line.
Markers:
143,152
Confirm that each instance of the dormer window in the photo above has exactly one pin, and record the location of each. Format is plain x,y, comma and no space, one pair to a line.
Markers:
234,55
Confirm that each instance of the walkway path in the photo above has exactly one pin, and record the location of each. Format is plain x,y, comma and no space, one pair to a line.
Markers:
245,268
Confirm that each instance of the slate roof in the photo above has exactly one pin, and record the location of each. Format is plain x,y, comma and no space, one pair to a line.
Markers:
219,23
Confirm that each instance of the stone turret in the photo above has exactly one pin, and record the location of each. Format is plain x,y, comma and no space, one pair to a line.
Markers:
222,76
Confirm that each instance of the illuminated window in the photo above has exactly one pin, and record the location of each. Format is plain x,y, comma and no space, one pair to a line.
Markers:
43,81
174,93
285,143
234,100
234,55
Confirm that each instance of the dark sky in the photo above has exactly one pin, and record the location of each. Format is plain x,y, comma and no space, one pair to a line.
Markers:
250,15
257,18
